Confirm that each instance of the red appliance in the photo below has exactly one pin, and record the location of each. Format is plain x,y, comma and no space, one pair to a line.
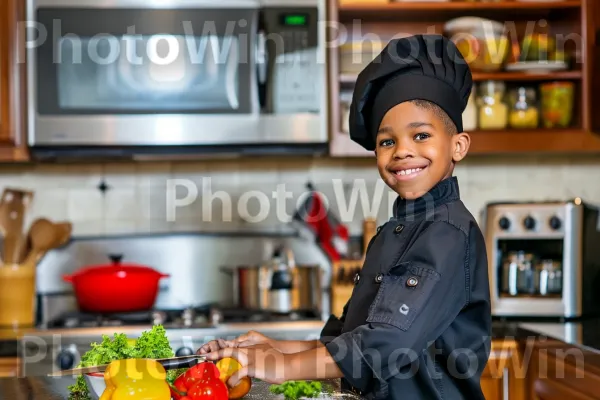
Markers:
330,234
116,287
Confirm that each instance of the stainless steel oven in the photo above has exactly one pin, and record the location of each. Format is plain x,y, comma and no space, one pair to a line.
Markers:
153,77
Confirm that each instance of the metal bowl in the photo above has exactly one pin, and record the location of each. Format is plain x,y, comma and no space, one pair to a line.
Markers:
96,385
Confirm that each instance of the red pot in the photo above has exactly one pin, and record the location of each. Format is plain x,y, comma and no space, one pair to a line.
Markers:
116,287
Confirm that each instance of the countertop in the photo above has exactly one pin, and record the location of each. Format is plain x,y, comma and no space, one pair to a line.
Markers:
44,388
581,336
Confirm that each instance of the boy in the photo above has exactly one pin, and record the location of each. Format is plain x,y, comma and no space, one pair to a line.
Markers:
418,323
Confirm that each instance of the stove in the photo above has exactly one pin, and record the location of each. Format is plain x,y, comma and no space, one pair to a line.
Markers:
201,317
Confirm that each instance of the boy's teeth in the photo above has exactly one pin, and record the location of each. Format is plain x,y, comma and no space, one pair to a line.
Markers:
409,171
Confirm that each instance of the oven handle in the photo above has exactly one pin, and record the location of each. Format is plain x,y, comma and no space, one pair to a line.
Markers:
262,67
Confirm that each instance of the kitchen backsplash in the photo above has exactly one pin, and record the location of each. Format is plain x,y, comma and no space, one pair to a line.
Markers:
137,197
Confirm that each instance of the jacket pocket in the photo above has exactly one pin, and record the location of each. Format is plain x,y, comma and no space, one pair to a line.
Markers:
402,293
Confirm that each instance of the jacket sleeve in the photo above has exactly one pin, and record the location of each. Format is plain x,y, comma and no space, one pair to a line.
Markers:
333,326
416,301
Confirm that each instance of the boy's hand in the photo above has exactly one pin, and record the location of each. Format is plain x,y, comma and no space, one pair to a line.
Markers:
252,338
213,345
261,361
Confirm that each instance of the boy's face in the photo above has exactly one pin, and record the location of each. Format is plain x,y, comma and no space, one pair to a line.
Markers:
414,150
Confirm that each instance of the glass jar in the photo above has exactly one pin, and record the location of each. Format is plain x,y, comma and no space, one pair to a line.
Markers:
557,104
470,114
549,277
493,111
520,273
524,111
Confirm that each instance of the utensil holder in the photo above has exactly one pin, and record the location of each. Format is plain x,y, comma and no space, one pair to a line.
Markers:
17,295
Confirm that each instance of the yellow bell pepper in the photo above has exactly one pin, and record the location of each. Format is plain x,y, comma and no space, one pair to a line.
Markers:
135,379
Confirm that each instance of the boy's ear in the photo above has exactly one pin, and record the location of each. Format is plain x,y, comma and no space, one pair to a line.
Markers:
460,146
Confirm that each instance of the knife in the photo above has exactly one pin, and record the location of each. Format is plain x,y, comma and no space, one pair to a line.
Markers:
168,363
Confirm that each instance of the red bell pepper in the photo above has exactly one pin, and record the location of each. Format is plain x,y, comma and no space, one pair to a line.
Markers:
200,382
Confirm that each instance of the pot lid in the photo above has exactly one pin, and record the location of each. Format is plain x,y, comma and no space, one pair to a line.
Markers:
116,264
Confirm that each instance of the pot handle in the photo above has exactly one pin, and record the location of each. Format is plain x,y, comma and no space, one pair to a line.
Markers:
115,258
68,278
161,275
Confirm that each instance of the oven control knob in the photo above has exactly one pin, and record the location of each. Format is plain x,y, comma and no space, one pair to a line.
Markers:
504,223
555,223
529,222
184,351
65,359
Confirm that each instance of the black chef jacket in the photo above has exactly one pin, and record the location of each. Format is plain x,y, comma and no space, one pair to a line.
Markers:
418,323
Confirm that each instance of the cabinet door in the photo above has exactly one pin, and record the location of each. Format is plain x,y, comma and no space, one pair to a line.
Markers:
591,64
12,84
545,389
9,367
502,378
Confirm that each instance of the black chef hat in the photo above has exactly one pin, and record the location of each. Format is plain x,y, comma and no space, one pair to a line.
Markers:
420,67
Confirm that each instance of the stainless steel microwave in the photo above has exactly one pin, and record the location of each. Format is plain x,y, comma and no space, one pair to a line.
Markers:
164,77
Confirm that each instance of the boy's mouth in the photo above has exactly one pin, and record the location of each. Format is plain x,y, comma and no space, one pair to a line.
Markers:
407,173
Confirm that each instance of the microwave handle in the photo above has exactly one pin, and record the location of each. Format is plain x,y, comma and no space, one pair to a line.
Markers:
262,67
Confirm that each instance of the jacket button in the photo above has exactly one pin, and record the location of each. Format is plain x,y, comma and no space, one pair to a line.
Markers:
356,278
379,278
399,228
412,282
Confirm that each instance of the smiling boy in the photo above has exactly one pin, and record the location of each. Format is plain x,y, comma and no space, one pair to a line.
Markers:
418,323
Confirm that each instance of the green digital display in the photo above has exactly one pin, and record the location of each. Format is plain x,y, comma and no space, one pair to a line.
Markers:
295,19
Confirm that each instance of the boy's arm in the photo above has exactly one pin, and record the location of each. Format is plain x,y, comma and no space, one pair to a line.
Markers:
313,364
295,346
332,328
417,300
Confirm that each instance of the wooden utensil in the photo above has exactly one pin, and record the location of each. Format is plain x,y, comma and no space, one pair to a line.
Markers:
42,226
44,235
13,206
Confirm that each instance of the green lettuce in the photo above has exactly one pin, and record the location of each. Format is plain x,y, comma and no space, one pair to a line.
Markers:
151,344
294,390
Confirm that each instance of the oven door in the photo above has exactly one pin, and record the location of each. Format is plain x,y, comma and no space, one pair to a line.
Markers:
142,72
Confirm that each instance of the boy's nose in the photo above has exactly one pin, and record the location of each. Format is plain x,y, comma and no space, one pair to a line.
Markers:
403,150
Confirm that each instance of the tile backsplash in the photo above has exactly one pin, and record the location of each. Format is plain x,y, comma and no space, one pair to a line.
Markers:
142,197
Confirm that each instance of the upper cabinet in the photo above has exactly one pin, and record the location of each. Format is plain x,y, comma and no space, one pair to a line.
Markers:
13,144
535,65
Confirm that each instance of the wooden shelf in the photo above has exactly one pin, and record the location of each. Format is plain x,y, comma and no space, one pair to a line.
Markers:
580,17
460,6
525,76
502,142
536,141
502,76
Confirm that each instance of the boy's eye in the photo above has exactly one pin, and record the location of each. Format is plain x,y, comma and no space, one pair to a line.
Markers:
386,142
422,136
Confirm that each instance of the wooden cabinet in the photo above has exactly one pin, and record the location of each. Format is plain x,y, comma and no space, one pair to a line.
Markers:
558,371
9,367
575,24
502,377
12,82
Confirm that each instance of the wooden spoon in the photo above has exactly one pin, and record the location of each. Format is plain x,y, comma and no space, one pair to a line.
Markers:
44,236
64,230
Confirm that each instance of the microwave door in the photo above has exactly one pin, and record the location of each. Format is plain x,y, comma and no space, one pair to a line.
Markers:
113,75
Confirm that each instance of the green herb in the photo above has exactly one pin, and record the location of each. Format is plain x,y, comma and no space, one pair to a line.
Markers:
294,390
151,344
174,374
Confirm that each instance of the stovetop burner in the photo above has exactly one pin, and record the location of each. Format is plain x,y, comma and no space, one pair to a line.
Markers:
200,317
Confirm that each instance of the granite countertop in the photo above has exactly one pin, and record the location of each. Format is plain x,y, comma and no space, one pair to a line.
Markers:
46,388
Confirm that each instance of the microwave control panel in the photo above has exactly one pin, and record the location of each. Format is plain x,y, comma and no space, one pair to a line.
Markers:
295,82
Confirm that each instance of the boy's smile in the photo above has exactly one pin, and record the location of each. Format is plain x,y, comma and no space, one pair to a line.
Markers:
416,148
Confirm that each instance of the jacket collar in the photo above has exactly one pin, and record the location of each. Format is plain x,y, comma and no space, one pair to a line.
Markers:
444,192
